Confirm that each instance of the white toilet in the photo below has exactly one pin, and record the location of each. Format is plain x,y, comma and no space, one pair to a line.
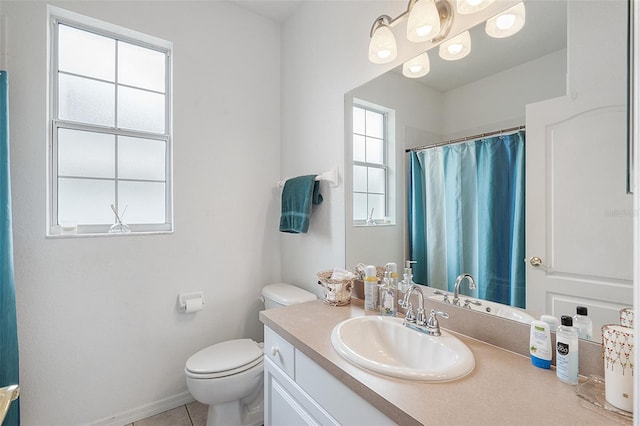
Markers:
228,376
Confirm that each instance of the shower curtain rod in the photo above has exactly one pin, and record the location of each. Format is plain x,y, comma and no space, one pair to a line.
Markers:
466,138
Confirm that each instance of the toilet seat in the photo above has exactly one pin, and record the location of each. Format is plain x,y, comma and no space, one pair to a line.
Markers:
224,359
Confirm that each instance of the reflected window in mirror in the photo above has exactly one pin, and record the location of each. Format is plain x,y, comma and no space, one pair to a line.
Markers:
372,164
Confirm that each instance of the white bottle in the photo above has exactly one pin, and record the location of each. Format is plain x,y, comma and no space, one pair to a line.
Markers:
370,289
540,344
567,351
583,323
387,296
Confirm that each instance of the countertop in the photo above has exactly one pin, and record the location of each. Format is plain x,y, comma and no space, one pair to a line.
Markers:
503,389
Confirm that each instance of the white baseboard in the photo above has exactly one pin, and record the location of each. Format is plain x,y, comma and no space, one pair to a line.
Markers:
147,410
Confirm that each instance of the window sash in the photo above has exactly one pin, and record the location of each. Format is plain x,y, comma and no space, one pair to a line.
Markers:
383,166
57,123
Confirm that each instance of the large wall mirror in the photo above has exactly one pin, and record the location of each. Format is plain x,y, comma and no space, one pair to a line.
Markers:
563,82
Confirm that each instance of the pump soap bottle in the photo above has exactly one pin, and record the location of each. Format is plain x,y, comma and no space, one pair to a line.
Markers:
388,293
567,351
404,285
370,289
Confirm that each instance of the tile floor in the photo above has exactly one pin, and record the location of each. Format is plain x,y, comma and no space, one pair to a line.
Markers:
192,414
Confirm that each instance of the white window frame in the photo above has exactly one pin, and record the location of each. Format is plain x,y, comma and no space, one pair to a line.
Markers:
61,16
388,164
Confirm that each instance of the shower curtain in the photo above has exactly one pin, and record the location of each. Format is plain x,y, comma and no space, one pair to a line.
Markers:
466,214
8,326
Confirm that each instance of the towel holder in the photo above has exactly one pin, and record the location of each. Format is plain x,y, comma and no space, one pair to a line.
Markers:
331,176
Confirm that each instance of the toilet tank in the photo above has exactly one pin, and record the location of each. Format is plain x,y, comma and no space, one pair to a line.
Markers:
281,294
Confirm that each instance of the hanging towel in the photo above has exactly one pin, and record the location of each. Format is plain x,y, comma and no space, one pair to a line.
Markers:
297,197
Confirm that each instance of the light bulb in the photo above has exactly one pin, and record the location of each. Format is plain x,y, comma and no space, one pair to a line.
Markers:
382,47
417,67
466,7
456,48
423,23
506,23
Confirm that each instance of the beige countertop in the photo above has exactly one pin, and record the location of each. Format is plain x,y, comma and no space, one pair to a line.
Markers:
503,389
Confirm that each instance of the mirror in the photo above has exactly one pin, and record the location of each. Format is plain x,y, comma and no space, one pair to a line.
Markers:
536,65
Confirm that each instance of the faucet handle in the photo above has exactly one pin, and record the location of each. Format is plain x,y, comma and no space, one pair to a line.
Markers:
432,322
468,302
410,316
444,294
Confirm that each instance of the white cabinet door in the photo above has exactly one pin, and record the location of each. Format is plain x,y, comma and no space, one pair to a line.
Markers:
286,404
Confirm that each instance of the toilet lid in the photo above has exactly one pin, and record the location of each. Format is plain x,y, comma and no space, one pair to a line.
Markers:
225,356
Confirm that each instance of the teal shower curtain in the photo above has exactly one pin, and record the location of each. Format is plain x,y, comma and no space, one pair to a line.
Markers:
8,326
466,214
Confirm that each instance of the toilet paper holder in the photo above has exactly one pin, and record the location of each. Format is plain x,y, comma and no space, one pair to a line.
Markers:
190,302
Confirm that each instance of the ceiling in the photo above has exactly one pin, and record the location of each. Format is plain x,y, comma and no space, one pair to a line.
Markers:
276,10
545,31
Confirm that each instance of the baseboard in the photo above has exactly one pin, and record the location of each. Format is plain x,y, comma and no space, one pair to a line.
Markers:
147,410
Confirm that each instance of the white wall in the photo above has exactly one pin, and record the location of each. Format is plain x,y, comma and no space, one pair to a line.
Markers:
99,333
498,101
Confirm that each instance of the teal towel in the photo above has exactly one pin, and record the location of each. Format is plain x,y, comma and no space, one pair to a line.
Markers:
297,197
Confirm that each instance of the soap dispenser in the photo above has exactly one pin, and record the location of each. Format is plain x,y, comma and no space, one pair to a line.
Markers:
388,294
408,278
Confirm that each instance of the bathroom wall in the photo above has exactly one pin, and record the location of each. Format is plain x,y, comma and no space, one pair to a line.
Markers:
324,55
100,337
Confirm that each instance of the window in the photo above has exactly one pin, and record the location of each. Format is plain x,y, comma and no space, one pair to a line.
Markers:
371,170
110,127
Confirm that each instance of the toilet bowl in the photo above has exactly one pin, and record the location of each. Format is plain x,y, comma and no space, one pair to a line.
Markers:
228,376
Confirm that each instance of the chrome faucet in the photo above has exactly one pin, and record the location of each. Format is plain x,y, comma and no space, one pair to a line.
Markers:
461,277
411,316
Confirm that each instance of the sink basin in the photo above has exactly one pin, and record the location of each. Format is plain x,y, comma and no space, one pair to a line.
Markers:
493,308
385,346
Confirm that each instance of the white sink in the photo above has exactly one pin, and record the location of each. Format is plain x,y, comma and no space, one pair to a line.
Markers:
384,345
493,308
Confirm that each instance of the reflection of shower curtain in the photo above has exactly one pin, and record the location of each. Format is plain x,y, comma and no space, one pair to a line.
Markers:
8,331
466,214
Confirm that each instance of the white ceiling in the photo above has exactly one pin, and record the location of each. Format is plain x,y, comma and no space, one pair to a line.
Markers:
276,10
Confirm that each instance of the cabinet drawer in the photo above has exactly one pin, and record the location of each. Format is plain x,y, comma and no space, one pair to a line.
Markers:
279,351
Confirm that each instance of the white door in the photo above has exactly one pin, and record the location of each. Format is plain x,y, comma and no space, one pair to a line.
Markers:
579,216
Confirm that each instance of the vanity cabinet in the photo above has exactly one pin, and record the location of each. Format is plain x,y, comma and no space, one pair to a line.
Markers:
297,391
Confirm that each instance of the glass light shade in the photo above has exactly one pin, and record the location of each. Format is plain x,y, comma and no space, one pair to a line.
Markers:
382,47
456,48
424,21
466,7
507,23
417,67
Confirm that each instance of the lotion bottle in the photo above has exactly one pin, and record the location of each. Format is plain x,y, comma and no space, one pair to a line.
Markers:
370,289
540,344
567,351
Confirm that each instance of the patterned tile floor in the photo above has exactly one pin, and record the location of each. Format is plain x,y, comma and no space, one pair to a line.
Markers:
192,414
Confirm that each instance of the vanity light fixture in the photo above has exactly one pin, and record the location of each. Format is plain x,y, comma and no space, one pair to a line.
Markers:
507,23
417,67
382,47
456,48
427,20
467,7
423,23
